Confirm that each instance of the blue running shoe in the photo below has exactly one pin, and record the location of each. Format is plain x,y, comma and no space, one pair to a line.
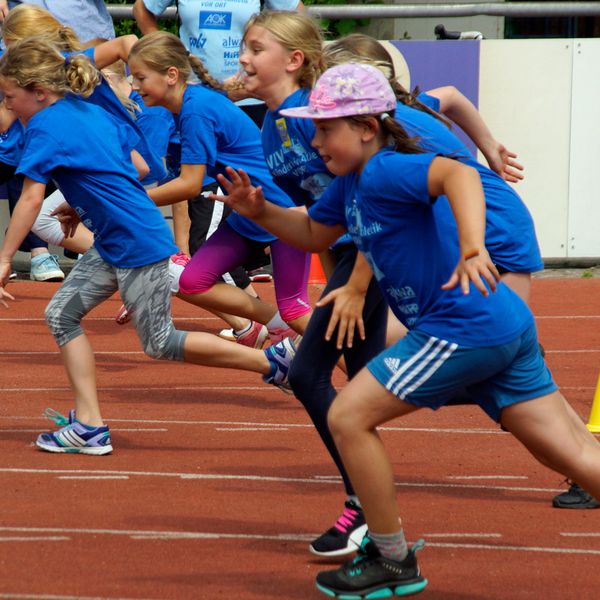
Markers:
370,575
280,357
74,437
44,267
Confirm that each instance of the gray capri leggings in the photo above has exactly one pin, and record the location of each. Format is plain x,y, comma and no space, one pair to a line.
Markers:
145,292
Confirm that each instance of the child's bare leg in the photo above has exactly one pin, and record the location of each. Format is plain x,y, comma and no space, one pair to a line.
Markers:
355,413
228,299
181,226
552,432
80,364
395,329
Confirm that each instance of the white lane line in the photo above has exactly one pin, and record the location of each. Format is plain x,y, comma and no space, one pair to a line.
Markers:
45,538
93,477
90,319
568,317
427,536
179,388
581,534
468,477
179,535
113,429
274,428
490,431
54,597
259,478
494,548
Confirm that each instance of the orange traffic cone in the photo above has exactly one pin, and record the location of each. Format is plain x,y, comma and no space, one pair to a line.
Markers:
316,274
594,420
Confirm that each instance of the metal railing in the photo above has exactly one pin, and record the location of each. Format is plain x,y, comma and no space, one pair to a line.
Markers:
400,10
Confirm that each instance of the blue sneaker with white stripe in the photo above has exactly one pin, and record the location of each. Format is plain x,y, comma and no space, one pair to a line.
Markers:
74,437
280,357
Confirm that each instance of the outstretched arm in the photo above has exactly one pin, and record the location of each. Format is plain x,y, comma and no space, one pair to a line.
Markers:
462,186
291,225
22,219
145,20
461,110
111,51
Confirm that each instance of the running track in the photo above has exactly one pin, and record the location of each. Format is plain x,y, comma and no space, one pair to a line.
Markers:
218,482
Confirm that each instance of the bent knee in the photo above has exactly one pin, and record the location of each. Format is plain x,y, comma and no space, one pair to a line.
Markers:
194,283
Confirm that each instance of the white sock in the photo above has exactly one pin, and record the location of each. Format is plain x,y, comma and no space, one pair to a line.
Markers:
277,323
354,500
239,332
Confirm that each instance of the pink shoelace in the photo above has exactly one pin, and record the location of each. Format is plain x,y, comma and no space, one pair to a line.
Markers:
346,519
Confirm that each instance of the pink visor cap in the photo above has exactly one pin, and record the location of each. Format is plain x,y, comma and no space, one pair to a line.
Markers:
347,90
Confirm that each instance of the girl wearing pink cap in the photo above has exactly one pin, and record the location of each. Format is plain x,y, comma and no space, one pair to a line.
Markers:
469,335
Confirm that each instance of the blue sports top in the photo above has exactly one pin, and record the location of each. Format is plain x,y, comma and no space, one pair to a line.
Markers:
104,96
216,133
11,144
84,149
510,232
157,125
389,214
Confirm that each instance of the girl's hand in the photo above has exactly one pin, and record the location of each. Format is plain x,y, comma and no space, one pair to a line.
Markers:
474,268
348,303
241,195
502,162
68,218
5,270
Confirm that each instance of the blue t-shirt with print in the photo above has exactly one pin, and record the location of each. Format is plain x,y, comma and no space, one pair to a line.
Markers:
390,216
216,133
86,152
213,30
510,233
295,165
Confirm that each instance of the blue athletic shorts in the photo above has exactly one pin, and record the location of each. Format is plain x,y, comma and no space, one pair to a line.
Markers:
430,372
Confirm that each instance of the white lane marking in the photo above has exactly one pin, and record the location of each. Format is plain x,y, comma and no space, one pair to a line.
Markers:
191,388
461,535
272,428
39,538
113,429
54,597
89,319
515,548
466,477
259,478
495,431
581,534
177,535
93,477
568,317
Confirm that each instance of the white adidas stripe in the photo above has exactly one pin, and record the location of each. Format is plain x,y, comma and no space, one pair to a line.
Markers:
70,438
435,351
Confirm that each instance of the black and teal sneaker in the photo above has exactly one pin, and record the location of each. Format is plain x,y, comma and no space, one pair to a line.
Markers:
371,576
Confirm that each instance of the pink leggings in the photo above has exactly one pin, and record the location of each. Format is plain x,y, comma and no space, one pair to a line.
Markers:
226,249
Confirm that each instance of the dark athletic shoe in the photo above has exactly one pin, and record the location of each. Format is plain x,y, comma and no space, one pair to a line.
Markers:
345,536
575,497
371,576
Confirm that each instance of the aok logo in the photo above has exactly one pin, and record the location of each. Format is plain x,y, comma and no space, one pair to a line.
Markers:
215,20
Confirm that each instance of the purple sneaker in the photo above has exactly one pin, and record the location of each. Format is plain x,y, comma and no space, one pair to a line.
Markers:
74,437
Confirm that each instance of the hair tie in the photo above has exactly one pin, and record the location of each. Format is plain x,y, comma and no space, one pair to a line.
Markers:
67,60
384,116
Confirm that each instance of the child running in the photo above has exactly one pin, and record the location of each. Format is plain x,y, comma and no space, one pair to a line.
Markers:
89,160
460,342
214,133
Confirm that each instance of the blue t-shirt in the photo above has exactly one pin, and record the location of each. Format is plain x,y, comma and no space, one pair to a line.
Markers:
216,133
295,165
390,216
213,30
104,96
510,233
11,144
85,151
158,127
297,168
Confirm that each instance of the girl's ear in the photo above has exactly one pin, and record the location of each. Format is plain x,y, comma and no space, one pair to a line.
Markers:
295,60
371,128
172,75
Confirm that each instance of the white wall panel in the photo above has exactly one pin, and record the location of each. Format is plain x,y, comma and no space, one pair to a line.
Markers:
584,188
525,97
